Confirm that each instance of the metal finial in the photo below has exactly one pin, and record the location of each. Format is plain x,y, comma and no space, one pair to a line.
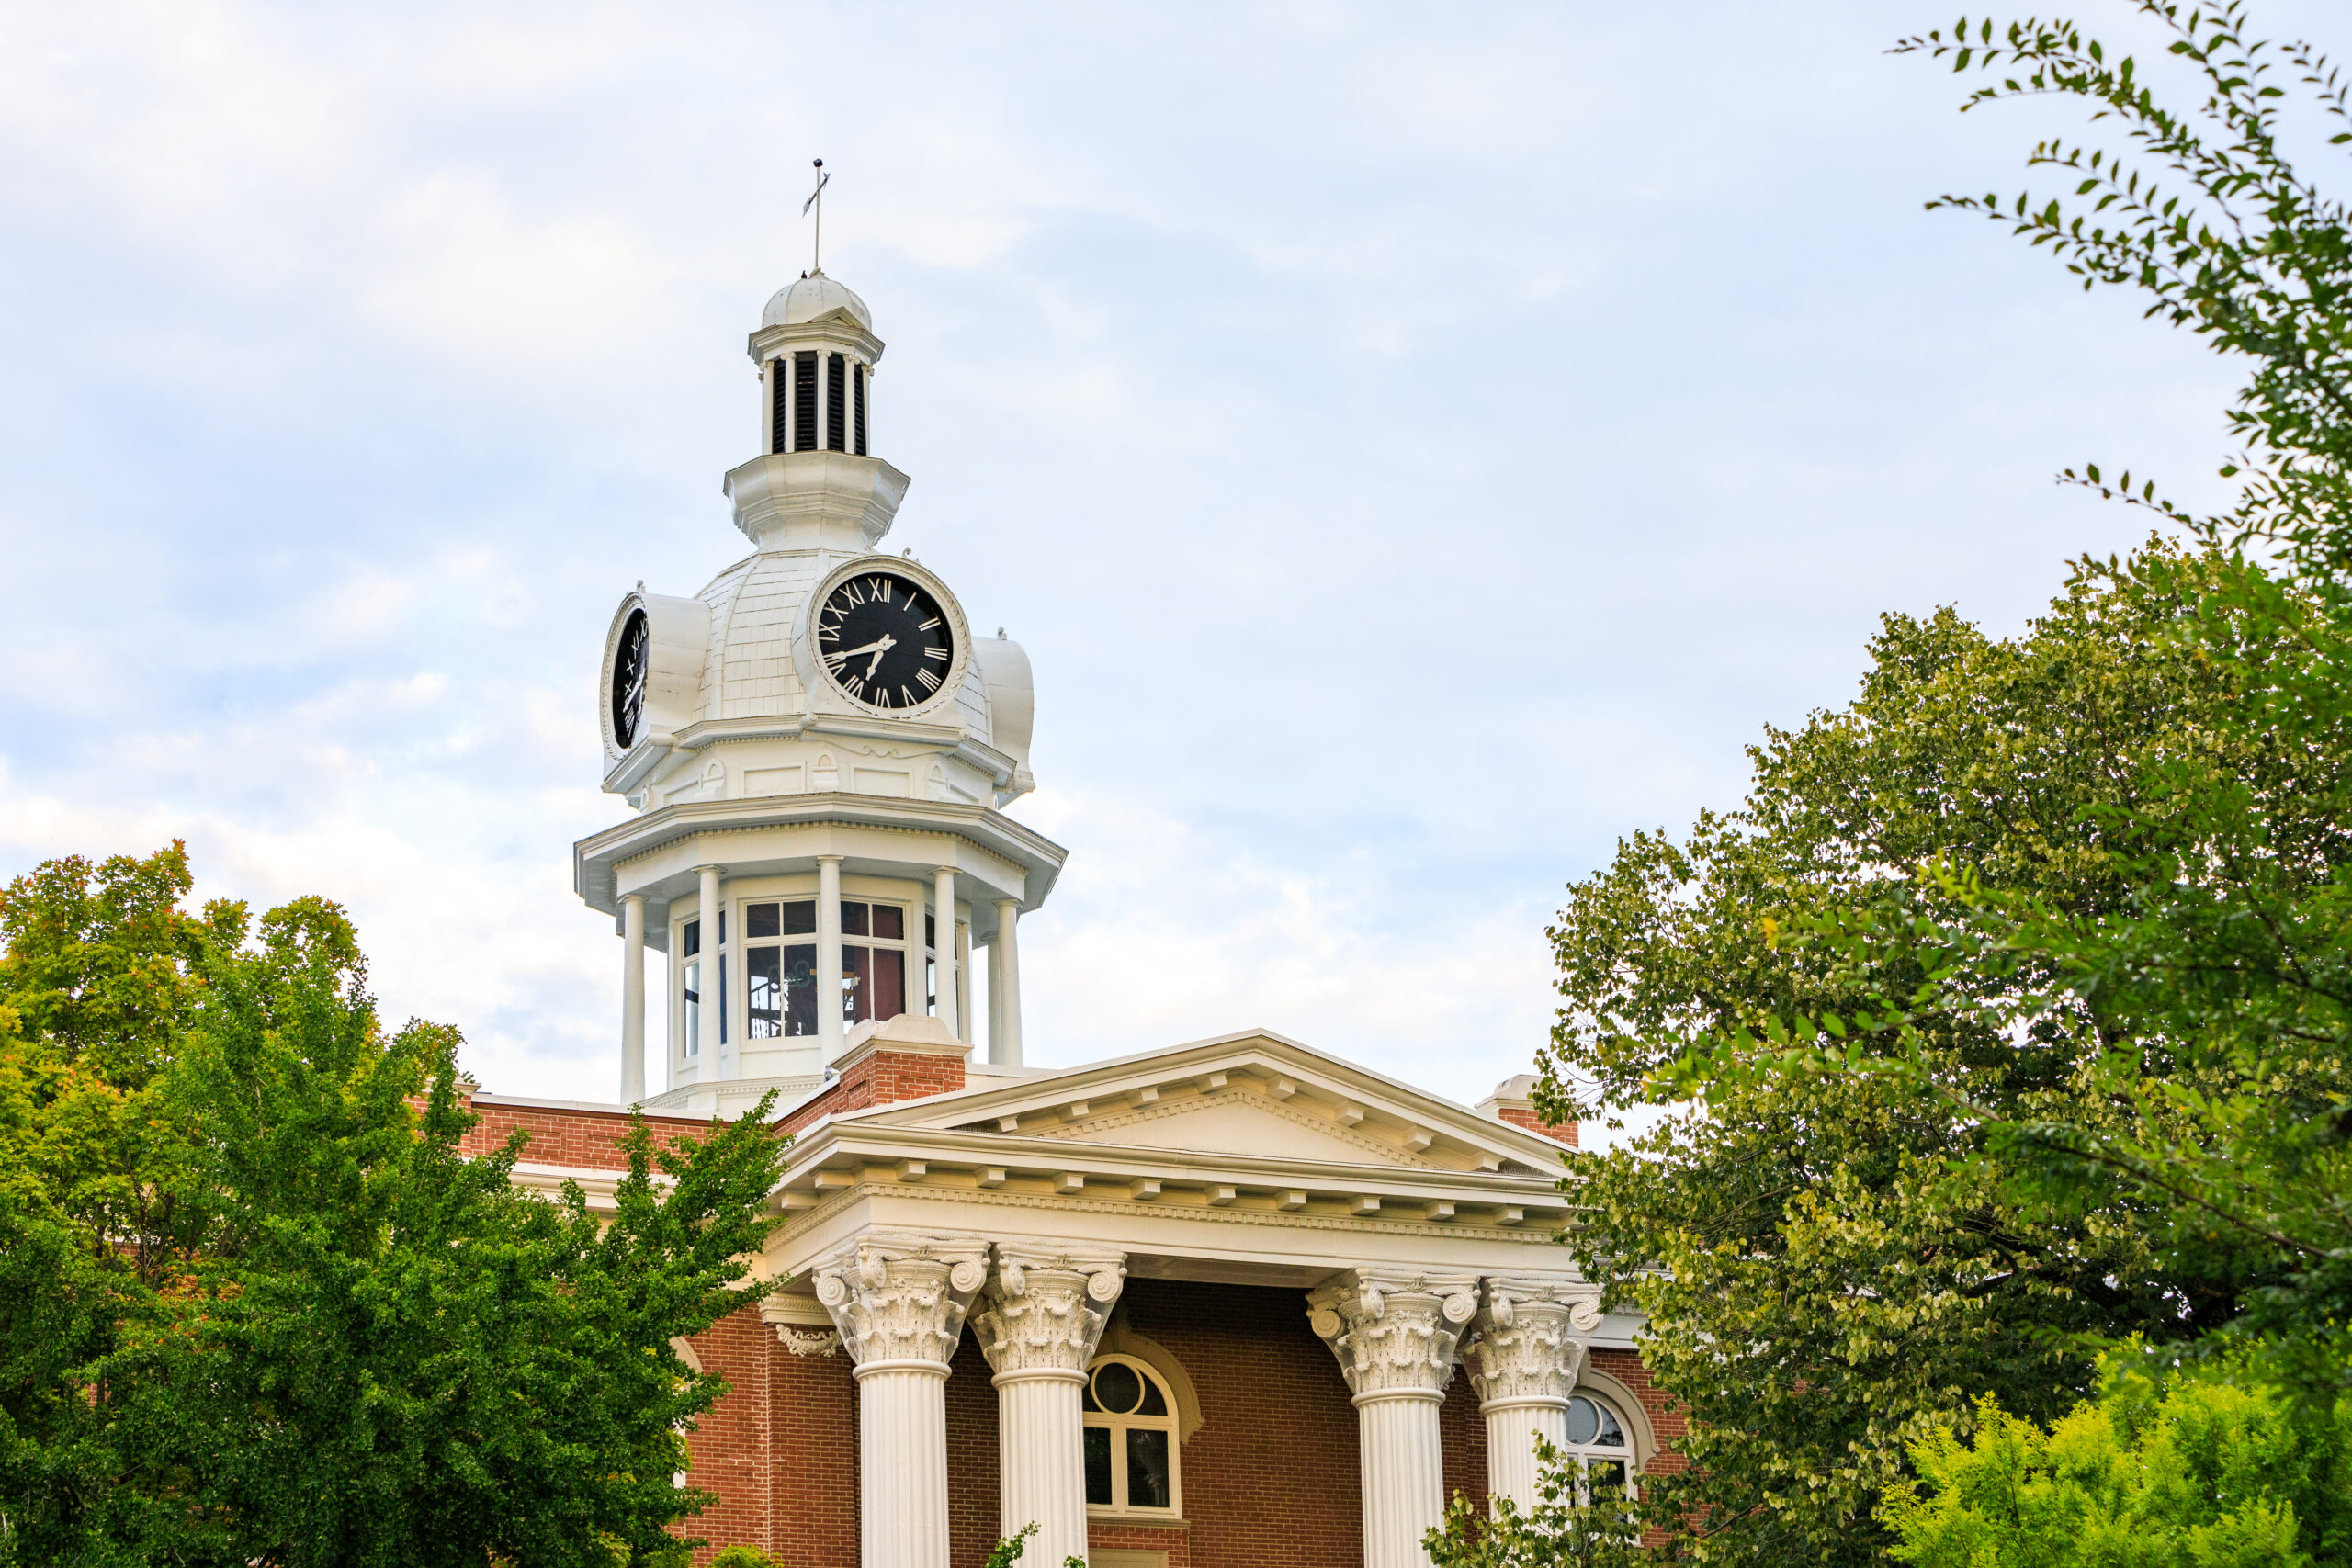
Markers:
816,200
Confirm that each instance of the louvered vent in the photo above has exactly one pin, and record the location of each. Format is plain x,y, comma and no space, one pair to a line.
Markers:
858,386
779,408
804,402
836,399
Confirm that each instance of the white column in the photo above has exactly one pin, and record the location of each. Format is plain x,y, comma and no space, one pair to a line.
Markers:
1395,1332
1044,1315
898,1299
1004,988
963,979
1530,1347
942,923
632,998
828,956
707,907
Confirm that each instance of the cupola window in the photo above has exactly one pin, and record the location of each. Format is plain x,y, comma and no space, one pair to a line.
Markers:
690,952
780,965
857,386
779,407
1130,1439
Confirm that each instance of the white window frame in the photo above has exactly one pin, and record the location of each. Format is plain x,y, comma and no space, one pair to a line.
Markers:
909,948
1584,1455
1118,1425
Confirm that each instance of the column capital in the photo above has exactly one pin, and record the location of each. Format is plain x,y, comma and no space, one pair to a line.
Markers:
899,1297
830,860
1046,1309
1529,1339
1394,1331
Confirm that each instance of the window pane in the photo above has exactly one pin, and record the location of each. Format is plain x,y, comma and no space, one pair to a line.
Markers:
1098,1466
931,931
723,985
854,918
800,918
800,989
1118,1387
1583,1420
693,1007
1607,1477
889,982
763,971
760,920
1153,1403
1146,1467
1612,1435
890,920
690,942
857,964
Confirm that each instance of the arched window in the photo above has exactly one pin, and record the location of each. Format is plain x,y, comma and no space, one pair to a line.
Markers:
1130,1439
1598,1446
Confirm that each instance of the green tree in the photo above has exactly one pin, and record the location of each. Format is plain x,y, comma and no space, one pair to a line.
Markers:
2204,1471
2010,1007
1829,1275
360,1345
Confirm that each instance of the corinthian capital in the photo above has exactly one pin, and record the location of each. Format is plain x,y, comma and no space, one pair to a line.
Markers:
900,1296
1531,1338
1045,1310
1393,1330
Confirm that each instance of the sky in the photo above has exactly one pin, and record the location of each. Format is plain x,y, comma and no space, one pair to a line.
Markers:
1417,447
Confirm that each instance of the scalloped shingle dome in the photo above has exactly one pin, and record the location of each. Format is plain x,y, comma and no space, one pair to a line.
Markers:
811,298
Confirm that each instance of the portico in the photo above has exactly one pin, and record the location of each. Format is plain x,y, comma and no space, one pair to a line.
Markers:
1412,1237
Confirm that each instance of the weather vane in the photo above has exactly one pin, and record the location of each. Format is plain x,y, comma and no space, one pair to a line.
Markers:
816,200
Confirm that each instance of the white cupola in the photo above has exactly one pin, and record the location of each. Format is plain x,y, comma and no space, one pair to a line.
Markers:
817,749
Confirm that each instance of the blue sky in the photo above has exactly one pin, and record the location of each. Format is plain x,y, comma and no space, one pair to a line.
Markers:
1417,447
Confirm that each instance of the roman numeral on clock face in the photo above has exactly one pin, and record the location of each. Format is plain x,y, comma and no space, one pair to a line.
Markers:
929,682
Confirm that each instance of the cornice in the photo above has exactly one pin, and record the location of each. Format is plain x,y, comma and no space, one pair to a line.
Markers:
805,1220
852,1137
1038,858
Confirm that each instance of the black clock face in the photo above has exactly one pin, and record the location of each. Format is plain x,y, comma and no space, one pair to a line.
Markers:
885,641
628,681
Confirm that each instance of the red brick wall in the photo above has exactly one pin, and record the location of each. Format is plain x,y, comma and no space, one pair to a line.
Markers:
883,1078
1560,1132
1271,1476
560,1135
971,1462
730,1444
812,1478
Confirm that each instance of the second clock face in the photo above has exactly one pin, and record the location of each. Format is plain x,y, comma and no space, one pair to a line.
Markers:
884,640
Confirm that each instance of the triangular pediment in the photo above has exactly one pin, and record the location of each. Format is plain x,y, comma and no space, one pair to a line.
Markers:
1237,1124
1253,1096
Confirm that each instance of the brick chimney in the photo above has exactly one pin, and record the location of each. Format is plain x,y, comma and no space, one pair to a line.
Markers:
1511,1103
907,1058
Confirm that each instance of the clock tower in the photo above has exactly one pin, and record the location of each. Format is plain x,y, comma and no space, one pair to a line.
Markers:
817,751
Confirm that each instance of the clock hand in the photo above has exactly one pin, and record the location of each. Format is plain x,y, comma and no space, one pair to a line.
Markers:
885,646
885,642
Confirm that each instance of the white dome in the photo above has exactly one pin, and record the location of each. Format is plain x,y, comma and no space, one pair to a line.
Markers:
810,299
